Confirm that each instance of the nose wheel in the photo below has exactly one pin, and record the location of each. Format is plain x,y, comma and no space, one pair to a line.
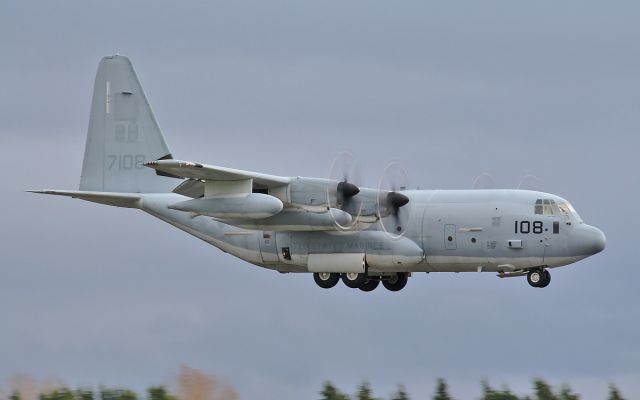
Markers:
539,278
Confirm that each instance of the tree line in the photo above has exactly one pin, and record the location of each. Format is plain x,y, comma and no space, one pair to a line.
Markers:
541,391
189,383
195,385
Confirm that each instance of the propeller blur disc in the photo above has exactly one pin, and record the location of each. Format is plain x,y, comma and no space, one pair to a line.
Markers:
393,213
530,182
346,172
484,181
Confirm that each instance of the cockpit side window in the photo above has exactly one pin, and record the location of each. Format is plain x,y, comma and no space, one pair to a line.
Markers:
538,207
547,207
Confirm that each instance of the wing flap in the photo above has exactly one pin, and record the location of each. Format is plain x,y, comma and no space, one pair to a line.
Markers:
191,170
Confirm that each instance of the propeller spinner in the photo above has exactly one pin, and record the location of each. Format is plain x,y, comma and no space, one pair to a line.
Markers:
393,217
345,170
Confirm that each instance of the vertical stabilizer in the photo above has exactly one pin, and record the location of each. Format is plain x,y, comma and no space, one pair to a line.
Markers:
123,135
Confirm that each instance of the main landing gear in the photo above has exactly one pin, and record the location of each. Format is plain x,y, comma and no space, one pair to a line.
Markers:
364,282
326,280
539,278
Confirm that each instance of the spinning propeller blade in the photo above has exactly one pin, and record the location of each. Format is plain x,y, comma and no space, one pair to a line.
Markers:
391,201
345,170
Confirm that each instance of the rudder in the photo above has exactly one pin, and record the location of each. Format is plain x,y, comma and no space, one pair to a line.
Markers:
123,134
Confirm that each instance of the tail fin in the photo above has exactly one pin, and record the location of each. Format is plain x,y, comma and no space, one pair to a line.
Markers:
123,135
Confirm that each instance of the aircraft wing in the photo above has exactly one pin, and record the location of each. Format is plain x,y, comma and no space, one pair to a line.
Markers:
129,200
191,170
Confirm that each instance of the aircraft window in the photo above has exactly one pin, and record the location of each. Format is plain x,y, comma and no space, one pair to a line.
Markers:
565,208
547,208
554,208
568,210
538,208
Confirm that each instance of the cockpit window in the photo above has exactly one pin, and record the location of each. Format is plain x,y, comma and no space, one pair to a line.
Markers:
567,209
547,207
550,207
538,207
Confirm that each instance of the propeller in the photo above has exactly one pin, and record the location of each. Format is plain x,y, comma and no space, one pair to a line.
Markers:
393,216
346,171
486,181
530,182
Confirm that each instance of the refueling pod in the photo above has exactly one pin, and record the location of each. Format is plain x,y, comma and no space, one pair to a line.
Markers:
241,206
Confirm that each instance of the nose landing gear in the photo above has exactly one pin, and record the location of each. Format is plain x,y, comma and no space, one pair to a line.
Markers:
539,278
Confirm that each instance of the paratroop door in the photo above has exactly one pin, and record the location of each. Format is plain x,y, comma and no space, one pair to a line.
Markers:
268,248
450,237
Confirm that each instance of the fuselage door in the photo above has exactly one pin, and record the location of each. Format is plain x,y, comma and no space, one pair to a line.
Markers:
268,248
450,237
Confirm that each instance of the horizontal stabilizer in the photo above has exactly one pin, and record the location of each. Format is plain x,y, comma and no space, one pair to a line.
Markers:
129,200
186,169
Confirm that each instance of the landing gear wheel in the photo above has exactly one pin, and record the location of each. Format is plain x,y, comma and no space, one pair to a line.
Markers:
370,284
396,282
353,279
546,279
326,280
534,277
539,278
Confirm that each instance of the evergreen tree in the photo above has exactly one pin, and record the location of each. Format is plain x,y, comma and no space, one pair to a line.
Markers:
330,392
117,394
365,392
84,394
159,393
401,394
58,394
442,390
488,393
614,393
15,396
565,394
543,391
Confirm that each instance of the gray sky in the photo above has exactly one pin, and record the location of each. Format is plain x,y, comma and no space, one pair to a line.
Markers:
93,294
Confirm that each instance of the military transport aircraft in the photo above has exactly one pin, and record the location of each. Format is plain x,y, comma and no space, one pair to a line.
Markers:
329,227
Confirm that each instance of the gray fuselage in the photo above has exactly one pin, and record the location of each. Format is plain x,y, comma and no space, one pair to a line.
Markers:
446,231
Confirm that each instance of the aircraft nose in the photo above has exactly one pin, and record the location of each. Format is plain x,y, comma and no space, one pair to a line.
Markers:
599,240
587,241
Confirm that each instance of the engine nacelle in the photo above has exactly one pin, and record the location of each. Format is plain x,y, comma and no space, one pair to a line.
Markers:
310,194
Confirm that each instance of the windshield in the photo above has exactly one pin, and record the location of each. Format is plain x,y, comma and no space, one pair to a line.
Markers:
551,207
568,209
